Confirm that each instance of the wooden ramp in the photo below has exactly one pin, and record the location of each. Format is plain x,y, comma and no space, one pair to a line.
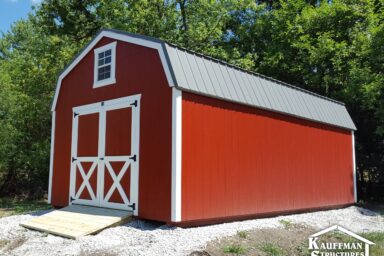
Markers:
78,220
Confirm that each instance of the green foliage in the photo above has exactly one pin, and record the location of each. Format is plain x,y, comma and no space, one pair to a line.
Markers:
271,249
335,49
235,249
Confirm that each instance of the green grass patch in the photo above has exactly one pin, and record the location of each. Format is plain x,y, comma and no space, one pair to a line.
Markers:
235,249
287,224
271,249
10,206
378,238
242,234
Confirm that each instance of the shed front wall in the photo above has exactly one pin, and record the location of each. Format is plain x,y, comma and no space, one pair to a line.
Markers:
238,161
138,71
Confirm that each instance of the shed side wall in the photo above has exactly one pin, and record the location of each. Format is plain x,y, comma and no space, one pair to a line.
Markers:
239,160
138,71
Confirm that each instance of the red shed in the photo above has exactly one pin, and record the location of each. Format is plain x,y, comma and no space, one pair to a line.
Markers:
140,124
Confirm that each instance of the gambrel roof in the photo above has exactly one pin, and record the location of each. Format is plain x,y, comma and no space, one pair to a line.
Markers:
196,73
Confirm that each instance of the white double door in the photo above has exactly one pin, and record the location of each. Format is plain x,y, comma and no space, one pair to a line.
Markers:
105,154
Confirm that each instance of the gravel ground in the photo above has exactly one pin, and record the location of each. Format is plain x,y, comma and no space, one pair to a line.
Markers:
146,238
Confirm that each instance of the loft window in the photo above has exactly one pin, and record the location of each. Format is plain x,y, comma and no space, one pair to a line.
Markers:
104,70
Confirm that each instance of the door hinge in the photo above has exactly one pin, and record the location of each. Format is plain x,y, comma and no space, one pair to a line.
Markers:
133,158
134,103
75,114
133,206
102,103
73,159
72,199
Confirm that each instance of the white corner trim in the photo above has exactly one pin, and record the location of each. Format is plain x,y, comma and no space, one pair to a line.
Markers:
354,166
176,154
51,156
112,79
121,37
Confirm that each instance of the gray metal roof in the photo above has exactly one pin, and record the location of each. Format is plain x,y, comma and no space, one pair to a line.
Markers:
204,75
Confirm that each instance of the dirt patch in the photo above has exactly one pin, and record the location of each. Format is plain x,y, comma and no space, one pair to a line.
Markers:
292,239
199,253
3,243
12,245
263,242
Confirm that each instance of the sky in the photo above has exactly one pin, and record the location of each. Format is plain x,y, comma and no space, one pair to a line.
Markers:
13,10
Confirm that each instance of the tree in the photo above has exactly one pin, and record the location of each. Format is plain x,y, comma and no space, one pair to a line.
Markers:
334,48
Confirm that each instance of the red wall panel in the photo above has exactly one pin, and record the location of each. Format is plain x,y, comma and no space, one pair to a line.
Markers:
238,160
138,71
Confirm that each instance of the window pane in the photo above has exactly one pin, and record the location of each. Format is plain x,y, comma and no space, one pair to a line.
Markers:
104,67
104,73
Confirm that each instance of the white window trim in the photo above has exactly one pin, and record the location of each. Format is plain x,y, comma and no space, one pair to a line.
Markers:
112,79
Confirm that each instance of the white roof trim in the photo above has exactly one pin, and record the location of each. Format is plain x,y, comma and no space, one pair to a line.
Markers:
344,230
121,37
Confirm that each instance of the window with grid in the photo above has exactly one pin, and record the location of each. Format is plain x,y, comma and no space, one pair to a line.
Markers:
104,71
104,65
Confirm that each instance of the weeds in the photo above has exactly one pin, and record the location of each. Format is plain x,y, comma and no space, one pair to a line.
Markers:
242,234
287,224
271,249
235,249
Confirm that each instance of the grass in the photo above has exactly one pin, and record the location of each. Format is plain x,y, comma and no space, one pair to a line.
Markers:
287,224
235,249
271,249
242,234
378,239
11,206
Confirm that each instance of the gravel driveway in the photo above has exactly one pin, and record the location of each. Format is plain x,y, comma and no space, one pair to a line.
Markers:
145,238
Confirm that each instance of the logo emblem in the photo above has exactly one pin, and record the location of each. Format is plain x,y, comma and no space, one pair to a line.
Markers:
318,247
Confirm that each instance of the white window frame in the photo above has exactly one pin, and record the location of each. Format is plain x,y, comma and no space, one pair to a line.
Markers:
112,79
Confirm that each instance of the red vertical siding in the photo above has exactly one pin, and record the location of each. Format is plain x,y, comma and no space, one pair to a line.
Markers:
138,71
238,160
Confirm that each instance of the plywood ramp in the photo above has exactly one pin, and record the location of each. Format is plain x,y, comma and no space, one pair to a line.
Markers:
78,220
